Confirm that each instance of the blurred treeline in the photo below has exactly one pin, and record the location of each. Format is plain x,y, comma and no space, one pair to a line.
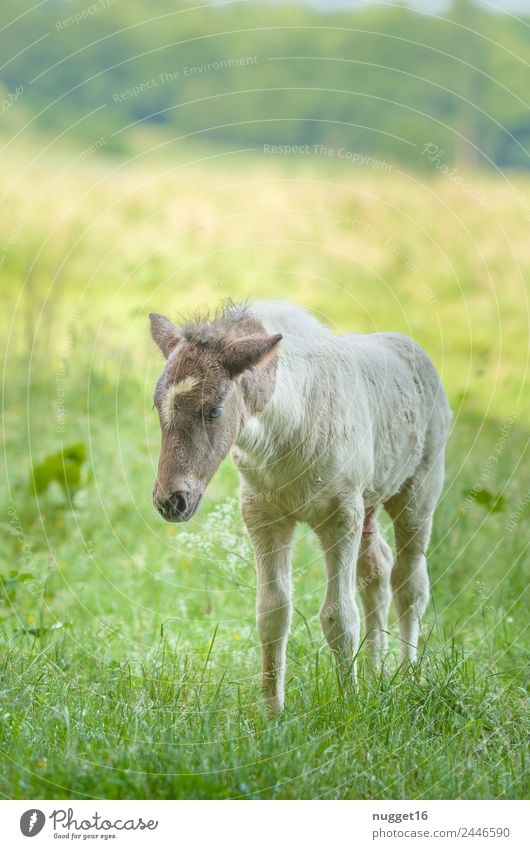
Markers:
384,81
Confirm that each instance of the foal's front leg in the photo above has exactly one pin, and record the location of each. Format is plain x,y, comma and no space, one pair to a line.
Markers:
271,540
340,537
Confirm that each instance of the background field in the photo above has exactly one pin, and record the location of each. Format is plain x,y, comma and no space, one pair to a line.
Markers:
129,654
129,659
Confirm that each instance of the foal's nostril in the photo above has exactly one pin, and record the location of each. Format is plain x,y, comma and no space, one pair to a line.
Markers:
178,502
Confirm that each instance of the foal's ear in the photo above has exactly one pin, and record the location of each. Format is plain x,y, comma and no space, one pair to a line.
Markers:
164,333
249,351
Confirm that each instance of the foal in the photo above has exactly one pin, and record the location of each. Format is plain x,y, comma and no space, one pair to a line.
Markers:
323,429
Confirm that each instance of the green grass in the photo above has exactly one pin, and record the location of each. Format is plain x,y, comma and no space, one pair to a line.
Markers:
129,660
167,728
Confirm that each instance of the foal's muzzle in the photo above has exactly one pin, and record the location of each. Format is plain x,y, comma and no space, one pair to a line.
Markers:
179,506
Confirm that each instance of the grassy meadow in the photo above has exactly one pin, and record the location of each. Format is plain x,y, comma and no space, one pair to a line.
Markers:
128,654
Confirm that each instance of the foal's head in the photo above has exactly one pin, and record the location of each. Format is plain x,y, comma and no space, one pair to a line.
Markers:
216,375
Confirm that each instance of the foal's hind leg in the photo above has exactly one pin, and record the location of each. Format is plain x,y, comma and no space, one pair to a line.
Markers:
340,537
411,511
373,582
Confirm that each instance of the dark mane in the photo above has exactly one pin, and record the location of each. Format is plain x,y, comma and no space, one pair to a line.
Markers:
230,319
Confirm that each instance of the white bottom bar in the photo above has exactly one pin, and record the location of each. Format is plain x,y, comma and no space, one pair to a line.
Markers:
257,824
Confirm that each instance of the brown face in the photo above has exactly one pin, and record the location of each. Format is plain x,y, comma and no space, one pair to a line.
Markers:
201,410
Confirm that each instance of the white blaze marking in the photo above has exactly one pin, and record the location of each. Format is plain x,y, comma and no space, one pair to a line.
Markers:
180,388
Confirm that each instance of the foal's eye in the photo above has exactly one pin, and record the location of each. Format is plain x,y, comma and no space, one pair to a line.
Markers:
213,413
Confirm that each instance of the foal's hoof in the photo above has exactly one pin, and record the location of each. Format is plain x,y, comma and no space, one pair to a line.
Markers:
378,667
273,706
